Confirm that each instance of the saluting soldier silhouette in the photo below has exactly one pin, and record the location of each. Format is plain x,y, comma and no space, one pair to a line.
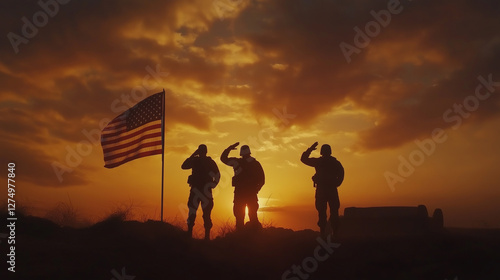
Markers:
205,176
248,179
329,176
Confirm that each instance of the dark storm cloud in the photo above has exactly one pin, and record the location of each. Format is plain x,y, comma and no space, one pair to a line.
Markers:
410,89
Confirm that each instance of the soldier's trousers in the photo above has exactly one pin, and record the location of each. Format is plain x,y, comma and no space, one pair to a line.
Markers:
197,197
327,195
242,200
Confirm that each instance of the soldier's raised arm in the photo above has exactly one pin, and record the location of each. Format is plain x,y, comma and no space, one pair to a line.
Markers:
305,159
224,156
188,163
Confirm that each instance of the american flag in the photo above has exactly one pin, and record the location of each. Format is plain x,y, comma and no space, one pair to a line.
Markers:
135,133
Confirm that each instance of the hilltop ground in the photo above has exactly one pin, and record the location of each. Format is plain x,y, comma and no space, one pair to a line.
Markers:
116,249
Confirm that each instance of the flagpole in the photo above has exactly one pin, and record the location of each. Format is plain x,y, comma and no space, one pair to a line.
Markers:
162,150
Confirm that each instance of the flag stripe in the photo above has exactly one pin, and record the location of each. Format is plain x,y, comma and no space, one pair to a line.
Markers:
122,145
115,131
146,138
106,140
115,124
135,133
132,150
144,154
138,152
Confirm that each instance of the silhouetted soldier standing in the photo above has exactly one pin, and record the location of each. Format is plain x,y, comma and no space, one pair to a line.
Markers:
329,175
247,181
205,176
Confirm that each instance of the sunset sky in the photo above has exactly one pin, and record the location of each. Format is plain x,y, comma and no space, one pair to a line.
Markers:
405,92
